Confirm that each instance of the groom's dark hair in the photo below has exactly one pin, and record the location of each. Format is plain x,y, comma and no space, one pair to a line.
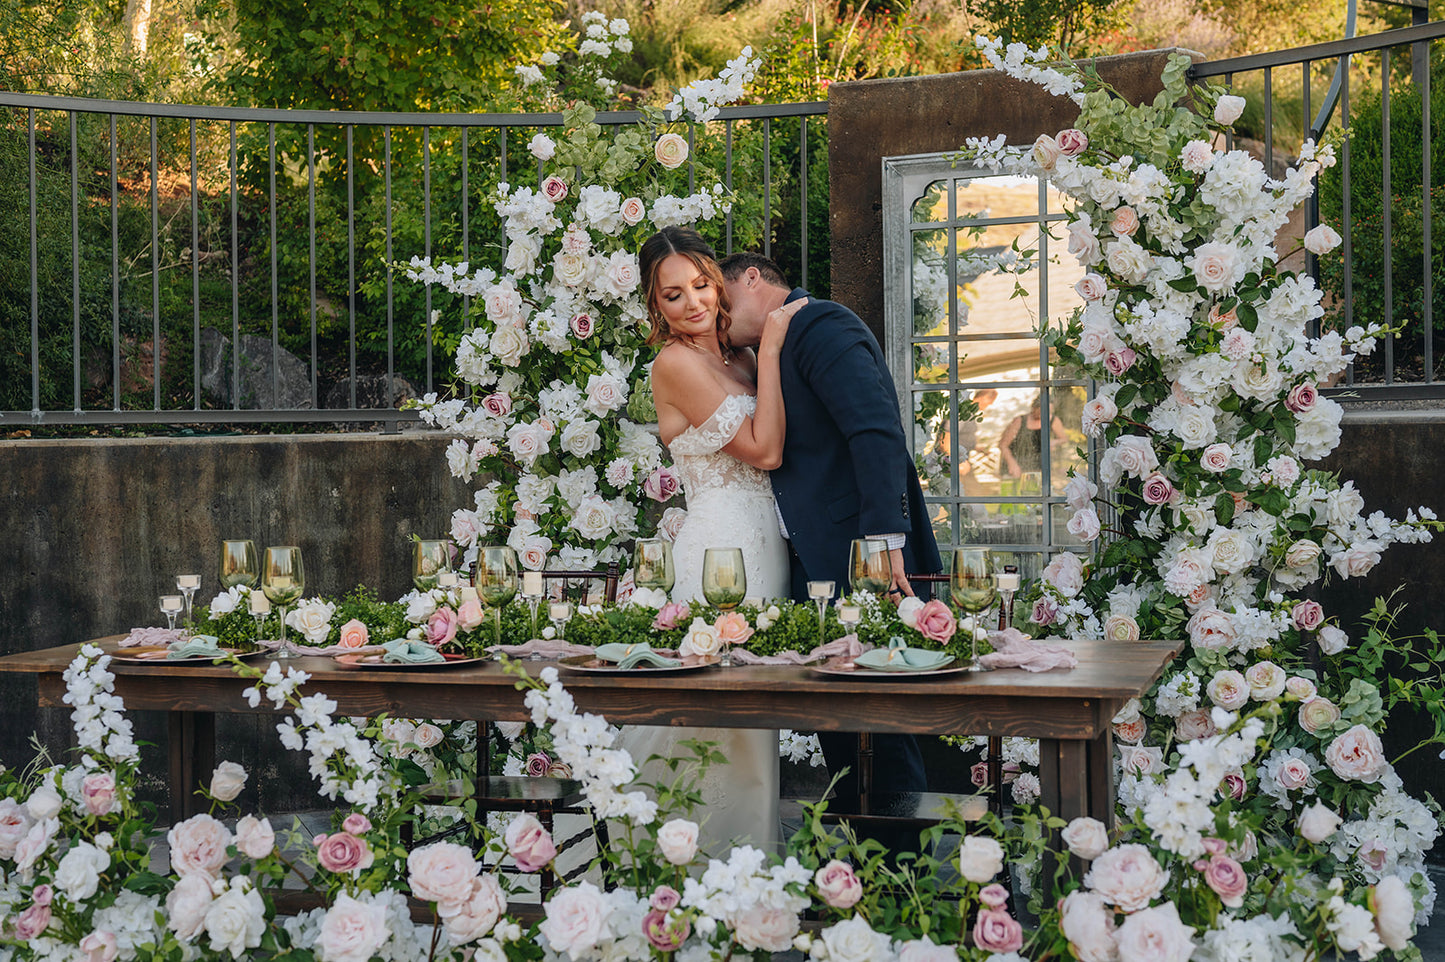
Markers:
735,265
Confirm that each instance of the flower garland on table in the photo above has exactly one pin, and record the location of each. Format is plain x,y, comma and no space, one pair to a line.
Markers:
1207,409
555,362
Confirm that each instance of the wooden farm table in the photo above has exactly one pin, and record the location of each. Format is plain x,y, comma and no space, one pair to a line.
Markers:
1068,711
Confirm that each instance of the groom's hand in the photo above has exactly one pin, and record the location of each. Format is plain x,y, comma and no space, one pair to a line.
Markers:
901,588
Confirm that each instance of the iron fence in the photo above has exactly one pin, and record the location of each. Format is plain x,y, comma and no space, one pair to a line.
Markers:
147,236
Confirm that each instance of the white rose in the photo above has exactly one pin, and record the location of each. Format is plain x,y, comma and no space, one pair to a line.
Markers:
78,874
227,781
1084,524
1089,926
1086,837
1266,680
980,858
1082,242
542,147
186,906
1092,286
353,931
1321,239
1098,412
474,918
427,735
580,438
1046,152
854,940
1302,553
15,823
1228,109
1197,156
503,305
1194,426
605,392
198,846
509,345
761,928
576,919
593,518
312,619
1318,822
677,840
1216,457
1129,260
573,270
908,610
1127,876
1216,266
620,274
45,802
1394,912
527,442
1066,573
1332,640
702,639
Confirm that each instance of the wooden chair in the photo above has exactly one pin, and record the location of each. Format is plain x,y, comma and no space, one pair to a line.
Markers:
544,796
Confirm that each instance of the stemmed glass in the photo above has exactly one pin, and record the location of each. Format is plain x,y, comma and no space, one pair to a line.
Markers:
496,582
283,581
533,588
724,583
559,613
821,592
187,586
652,564
971,586
428,560
238,564
869,567
260,607
170,607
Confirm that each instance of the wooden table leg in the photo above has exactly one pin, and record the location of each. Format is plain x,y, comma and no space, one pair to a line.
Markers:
192,744
1067,790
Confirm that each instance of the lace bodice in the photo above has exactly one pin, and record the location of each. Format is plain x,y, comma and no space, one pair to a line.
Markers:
697,453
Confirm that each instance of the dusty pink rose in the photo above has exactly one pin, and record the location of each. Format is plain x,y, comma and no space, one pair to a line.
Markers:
98,790
98,946
529,844
581,325
661,485
936,622
1072,142
1124,222
343,852
1194,724
1227,878
671,615
198,845
1357,755
497,404
677,841
664,898
554,188
442,626
35,920
996,931
1157,489
471,920
356,823
469,614
1318,714
837,885
1308,615
1045,610
665,933
1117,362
978,774
537,764
442,872
354,634
1234,785
1301,397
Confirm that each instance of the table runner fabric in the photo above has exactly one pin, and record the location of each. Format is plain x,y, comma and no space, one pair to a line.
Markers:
1014,649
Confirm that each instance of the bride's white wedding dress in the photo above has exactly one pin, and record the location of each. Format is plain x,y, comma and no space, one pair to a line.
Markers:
729,505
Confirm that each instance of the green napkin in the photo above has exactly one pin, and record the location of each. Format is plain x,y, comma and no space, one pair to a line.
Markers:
899,657
404,651
630,656
196,646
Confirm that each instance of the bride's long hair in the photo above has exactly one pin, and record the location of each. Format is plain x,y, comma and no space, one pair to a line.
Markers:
689,243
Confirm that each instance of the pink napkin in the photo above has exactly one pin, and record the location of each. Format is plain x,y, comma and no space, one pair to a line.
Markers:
323,651
550,649
1014,649
848,646
150,636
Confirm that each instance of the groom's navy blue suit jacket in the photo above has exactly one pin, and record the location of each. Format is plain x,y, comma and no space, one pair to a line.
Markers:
846,471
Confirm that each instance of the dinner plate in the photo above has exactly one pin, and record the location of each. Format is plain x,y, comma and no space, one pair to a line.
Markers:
374,660
834,667
593,664
156,655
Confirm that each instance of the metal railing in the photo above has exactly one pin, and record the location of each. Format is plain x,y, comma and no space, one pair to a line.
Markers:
1382,271
146,192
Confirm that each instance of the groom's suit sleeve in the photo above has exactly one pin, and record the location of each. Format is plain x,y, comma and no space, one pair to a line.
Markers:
836,356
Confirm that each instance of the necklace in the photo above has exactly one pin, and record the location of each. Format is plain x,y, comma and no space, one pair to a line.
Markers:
726,355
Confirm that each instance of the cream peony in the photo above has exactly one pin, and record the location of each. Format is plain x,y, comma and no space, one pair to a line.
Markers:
353,930
1127,876
576,919
1357,756
1155,935
198,845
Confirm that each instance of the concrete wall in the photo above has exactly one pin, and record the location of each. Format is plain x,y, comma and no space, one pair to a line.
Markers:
92,532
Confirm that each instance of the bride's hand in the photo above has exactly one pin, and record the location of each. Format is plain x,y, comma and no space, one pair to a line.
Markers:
775,326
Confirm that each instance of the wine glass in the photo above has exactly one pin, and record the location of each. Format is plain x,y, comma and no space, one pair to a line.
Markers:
170,607
187,586
724,583
821,592
869,567
238,564
971,586
652,564
496,582
428,560
283,580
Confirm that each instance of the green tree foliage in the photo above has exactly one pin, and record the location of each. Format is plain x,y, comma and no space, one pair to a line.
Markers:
1070,24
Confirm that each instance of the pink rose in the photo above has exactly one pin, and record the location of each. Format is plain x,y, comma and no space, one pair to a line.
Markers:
254,837
1318,714
356,823
1157,489
660,485
733,628
1098,412
671,615
42,894
838,887
442,872
1294,774
497,404
1072,142
354,634
978,774
198,845
936,622
343,852
554,188
441,627
677,841
996,931
633,210
469,614
186,905
537,764
1117,362
98,790
1125,222
528,843
1045,610
1373,855
664,898
581,325
1234,785
1357,755
1091,286
30,923
1084,524
98,946
1308,615
665,933
1156,935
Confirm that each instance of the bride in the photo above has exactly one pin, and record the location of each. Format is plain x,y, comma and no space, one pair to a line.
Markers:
720,412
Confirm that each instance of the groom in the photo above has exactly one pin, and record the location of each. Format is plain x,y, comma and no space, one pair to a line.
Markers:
846,474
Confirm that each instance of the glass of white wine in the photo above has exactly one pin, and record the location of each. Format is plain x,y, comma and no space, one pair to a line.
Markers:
971,585
724,583
869,567
652,564
239,565
428,560
283,581
496,582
